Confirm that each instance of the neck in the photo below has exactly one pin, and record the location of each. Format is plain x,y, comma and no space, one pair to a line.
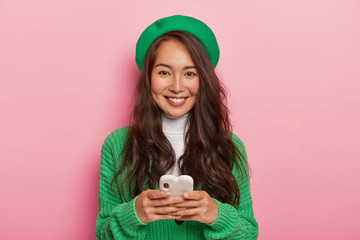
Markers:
174,125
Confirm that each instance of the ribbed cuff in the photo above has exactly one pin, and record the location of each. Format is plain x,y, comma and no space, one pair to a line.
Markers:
226,220
126,214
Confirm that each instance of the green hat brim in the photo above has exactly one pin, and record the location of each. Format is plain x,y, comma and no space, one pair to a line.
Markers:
182,23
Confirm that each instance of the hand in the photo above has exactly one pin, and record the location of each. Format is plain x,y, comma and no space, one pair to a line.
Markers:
153,205
199,207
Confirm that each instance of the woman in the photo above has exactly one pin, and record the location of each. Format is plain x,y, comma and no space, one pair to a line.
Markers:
180,126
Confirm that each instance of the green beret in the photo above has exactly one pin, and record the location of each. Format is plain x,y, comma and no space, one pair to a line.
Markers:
178,22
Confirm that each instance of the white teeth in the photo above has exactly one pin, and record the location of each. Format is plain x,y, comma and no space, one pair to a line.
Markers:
176,100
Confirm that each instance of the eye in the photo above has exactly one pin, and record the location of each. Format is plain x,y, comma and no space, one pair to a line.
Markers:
164,73
190,74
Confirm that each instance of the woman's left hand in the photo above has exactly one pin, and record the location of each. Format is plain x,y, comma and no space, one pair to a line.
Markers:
200,207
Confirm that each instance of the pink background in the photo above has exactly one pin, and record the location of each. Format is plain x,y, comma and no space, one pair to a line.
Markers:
292,70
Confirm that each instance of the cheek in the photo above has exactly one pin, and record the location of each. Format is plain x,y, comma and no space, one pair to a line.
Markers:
156,86
194,87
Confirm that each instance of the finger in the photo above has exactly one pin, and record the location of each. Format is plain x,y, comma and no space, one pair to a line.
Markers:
167,210
167,201
157,194
189,204
195,195
188,212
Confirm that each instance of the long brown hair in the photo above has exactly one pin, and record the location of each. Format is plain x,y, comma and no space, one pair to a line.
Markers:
209,154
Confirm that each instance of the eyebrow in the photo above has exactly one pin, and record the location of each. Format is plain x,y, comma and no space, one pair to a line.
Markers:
168,66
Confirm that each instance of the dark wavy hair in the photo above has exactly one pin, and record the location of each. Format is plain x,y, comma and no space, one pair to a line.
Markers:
209,154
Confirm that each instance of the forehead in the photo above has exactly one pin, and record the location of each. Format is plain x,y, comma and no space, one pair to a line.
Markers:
173,52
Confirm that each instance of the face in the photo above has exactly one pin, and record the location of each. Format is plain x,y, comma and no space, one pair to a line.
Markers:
174,79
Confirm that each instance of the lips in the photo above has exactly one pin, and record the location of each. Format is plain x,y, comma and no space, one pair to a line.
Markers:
176,101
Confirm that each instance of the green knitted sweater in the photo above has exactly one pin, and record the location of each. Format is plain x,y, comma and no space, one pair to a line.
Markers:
117,218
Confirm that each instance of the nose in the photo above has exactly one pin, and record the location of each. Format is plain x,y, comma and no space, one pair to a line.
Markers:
177,85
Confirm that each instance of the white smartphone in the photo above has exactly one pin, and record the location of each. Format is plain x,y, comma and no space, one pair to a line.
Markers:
177,185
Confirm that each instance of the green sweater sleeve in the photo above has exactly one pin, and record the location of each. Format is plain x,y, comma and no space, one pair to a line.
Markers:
233,223
116,219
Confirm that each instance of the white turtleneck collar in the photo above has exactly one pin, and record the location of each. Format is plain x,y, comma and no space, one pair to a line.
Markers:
174,125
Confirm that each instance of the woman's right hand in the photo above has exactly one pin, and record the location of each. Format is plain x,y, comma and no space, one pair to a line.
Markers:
153,205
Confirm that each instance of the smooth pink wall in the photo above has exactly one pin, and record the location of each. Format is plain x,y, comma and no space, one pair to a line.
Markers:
292,69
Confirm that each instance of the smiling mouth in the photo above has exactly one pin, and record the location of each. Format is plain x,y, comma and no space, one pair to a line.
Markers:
176,100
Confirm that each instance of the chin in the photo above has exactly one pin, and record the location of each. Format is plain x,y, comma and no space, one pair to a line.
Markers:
176,114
